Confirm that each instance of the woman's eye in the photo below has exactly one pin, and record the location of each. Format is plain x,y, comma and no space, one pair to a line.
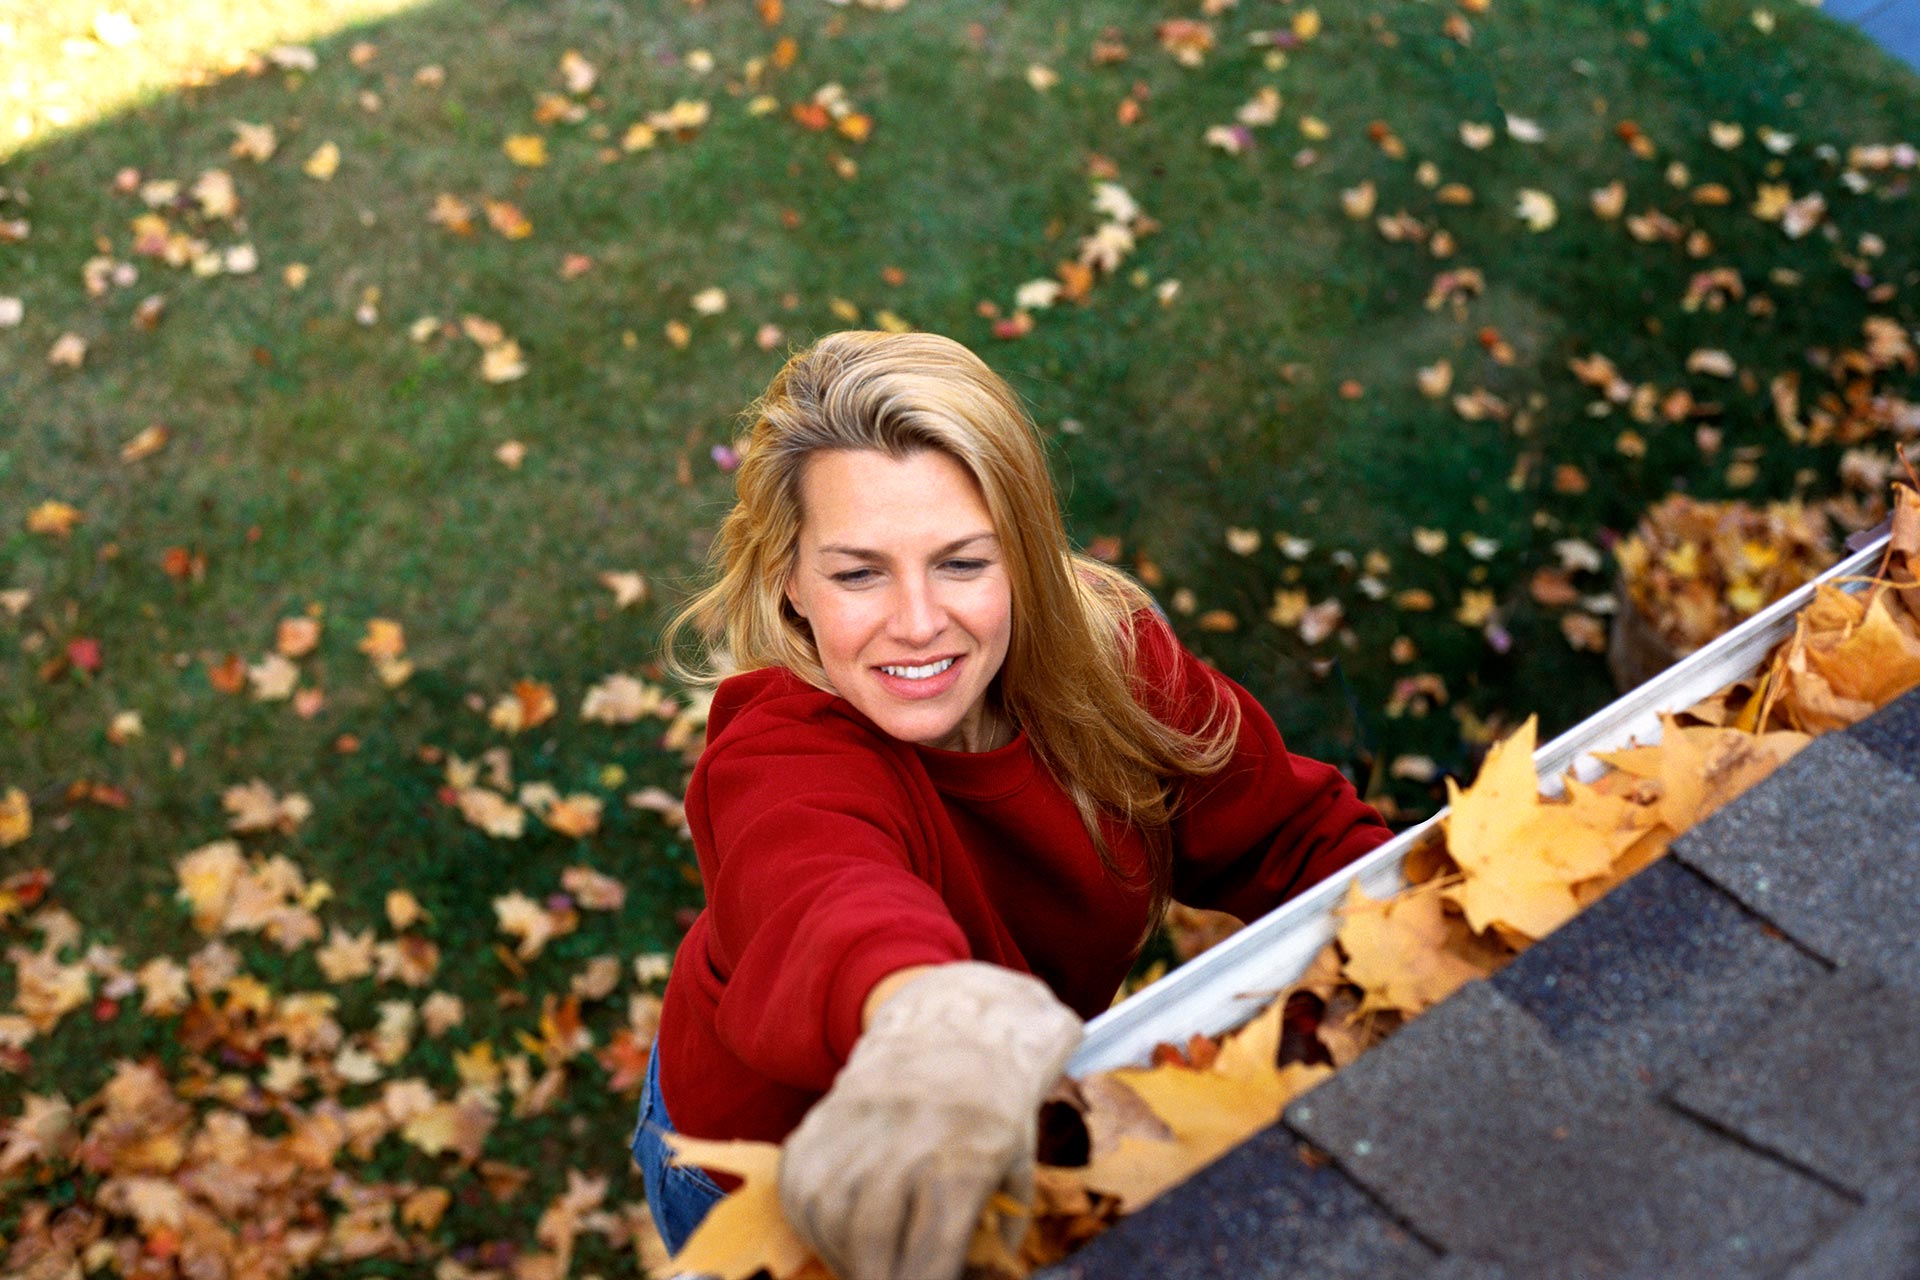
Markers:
966,566
853,577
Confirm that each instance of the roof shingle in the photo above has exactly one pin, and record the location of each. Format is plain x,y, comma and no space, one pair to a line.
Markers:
1825,849
1656,976
1829,1085
1260,1211
1489,1141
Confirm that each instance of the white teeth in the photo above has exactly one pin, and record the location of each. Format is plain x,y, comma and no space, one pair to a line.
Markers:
919,673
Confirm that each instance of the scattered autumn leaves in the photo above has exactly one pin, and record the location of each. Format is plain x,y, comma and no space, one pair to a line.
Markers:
310,1049
259,1153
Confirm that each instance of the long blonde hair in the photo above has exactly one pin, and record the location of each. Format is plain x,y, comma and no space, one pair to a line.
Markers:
1067,676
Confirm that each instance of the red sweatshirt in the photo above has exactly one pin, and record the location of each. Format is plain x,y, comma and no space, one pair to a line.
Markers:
833,854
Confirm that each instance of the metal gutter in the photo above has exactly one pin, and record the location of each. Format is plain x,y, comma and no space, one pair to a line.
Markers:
1225,986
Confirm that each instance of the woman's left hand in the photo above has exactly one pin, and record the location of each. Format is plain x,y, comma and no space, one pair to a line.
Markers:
934,1112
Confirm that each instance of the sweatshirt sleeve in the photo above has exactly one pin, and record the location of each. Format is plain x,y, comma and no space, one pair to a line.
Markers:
1270,823
815,892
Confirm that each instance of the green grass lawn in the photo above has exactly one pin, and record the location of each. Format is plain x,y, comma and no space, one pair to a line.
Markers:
1233,408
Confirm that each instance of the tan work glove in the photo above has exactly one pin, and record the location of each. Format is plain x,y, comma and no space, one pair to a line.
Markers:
933,1113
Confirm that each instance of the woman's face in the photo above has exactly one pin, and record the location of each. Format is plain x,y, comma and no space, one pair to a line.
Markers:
901,576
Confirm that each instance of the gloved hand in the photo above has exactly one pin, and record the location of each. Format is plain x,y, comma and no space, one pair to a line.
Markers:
933,1113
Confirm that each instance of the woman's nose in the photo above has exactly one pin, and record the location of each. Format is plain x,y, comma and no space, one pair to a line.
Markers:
918,616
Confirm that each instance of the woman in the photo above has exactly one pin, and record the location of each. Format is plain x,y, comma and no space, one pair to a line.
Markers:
958,779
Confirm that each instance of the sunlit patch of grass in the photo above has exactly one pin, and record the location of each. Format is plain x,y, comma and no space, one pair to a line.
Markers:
66,64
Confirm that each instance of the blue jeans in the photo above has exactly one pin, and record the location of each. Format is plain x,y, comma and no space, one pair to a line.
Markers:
679,1195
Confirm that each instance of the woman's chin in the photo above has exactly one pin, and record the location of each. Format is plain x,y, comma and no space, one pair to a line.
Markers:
922,730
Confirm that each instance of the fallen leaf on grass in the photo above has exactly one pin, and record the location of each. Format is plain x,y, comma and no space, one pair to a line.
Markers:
623,699
531,924
149,441
576,815
593,890
458,1127
323,163
507,219
530,703
16,817
273,678
54,518
1537,209
628,588
255,807
526,149
492,812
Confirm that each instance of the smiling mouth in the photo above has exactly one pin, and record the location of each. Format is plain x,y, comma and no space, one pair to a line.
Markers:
919,673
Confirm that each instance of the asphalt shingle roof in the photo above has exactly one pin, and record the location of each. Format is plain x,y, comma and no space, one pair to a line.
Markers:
1261,1212
1713,1071
1825,850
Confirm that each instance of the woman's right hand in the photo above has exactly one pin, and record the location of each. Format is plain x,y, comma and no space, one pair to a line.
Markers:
934,1112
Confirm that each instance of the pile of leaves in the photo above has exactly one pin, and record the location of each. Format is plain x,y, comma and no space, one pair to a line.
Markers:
1695,569
1510,866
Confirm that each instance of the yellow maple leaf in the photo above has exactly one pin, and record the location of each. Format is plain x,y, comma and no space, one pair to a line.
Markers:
528,149
424,1208
507,219
44,1131
1208,1111
163,987
403,909
1699,768
255,807
1877,660
346,956
1405,952
53,517
273,678
746,1231
385,638
207,879
502,362
16,817
1521,855
323,163
47,990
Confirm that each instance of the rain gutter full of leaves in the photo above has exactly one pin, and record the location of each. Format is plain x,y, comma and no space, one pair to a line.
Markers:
1225,986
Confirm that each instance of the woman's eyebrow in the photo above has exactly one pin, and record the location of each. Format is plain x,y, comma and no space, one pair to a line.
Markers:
865,553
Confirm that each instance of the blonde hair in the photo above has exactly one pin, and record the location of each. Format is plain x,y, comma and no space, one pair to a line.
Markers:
1067,676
